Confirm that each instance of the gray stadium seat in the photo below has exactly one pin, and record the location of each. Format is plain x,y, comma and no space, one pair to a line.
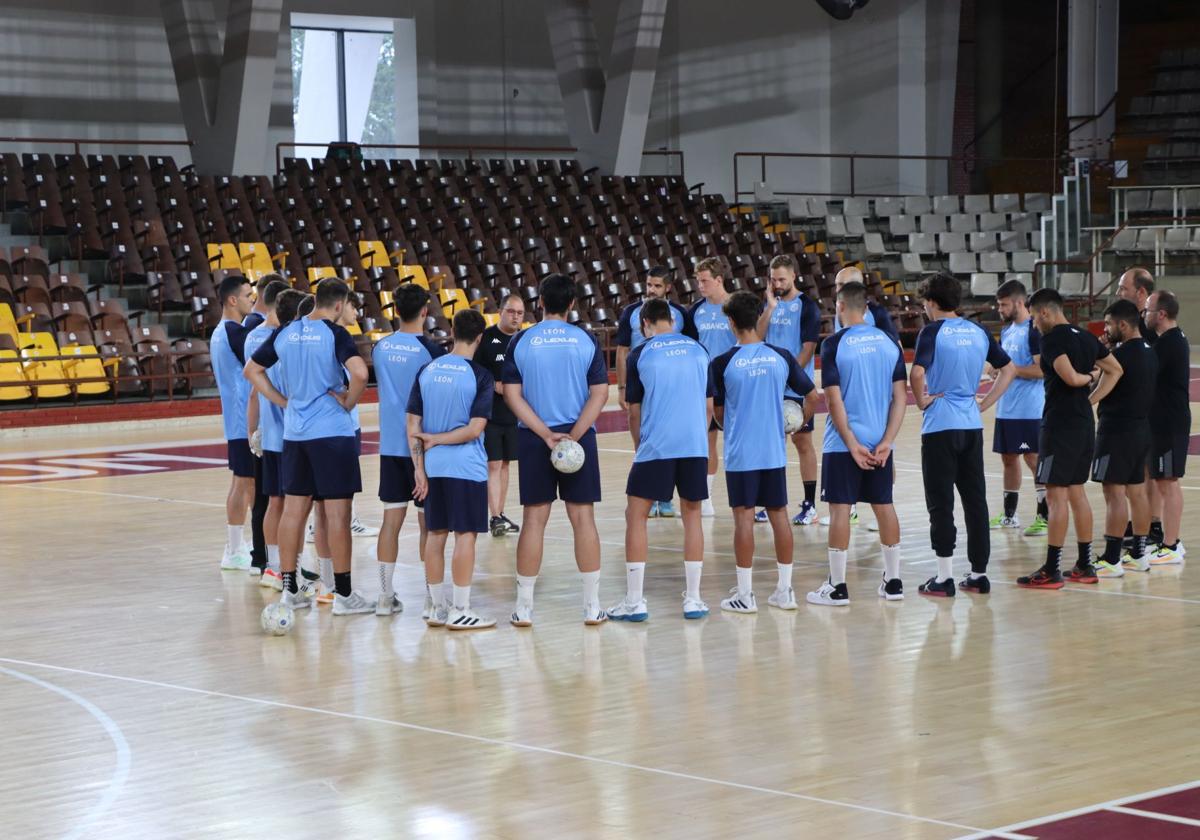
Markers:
1023,261
977,204
912,264
873,244
963,262
980,241
946,205
888,207
993,221
915,205
932,223
962,223
900,225
984,284
922,243
1006,203
994,262
856,207
1037,202
948,243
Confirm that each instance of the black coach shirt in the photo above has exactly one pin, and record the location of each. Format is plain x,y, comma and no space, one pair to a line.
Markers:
1127,406
490,356
1067,406
1172,414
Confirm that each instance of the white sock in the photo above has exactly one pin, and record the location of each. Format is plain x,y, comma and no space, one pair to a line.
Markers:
273,558
891,561
462,597
234,540
710,481
435,592
691,573
525,589
837,565
743,580
634,574
945,568
785,576
976,575
326,566
385,579
591,588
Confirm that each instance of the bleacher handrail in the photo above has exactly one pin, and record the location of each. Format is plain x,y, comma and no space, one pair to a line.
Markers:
1121,207
853,157
470,149
77,142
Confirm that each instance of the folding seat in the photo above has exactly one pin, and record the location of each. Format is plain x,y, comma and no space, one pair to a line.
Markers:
1006,203
901,225
205,315
979,241
111,315
873,244
318,273
946,205
911,262
29,259
223,255
194,363
33,317
1037,202
977,204
72,316
1072,284
888,207
949,243
993,262
922,243
984,284
917,205
856,207
932,223
31,288
963,263
962,223
12,372
1024,261
38,353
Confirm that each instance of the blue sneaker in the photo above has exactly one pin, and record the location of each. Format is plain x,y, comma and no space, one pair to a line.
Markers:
666,509
654,510
807,514
761,516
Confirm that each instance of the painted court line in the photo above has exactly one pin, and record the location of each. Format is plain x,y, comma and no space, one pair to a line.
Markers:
495,742
1112,804
120,773
1153,815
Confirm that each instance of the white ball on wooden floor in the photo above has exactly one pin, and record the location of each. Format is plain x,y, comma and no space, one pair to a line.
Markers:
277,619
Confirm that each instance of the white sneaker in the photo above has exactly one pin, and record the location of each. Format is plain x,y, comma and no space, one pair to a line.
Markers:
594,614
437,615
624,611
352,604
1001,521
829,595
739,603
706,508
1136,564
1165,556
783,599
236,561
358,529
297,600
427,608
467,619
694,607
310,535
309,589
255,571
388,606
522,615
271,579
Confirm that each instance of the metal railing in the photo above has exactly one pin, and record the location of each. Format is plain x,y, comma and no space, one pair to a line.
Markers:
1179,201
471,150
77,142
1052,168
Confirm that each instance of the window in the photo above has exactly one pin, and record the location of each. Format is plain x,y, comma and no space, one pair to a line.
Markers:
345,84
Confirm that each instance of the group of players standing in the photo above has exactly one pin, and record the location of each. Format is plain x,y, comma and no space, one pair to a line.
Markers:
451,422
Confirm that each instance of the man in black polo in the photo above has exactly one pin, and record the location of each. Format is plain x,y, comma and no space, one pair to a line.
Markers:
500,435
1170,421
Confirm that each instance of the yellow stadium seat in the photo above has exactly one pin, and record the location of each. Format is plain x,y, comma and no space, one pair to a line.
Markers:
452,300
413,274
88,366
374,254
387,304
11,370
257,259
354,329
8,324
376,335
41,346
318,273
224,255
491,318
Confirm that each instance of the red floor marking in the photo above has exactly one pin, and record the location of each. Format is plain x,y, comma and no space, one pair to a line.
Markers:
1106,824
1185,803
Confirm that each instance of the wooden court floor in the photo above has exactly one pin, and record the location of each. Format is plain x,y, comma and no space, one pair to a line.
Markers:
140,699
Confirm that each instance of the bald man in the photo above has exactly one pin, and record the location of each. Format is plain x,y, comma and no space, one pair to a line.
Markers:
876,315
1136,285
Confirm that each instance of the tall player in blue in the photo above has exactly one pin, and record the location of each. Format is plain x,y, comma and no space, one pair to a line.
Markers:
1019,412
397,358
447,413
792,321
669,390
630,337
863,375
749,381
320,454
226,352
950,355
556,382
710,327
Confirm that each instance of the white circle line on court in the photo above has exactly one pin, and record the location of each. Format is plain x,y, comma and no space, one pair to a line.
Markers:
480,739
120,773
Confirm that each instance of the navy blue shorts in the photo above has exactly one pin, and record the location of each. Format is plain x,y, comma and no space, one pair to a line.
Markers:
458,505
323,468
658,480
757,488
540,483
358,441
843,482
241,459
272,473
807,427
1016,437
396,480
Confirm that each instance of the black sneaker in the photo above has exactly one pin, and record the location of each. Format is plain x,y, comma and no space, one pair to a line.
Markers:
1082,574
932,588
498,526
510,526
310,576
1042,579
980,585
892,590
